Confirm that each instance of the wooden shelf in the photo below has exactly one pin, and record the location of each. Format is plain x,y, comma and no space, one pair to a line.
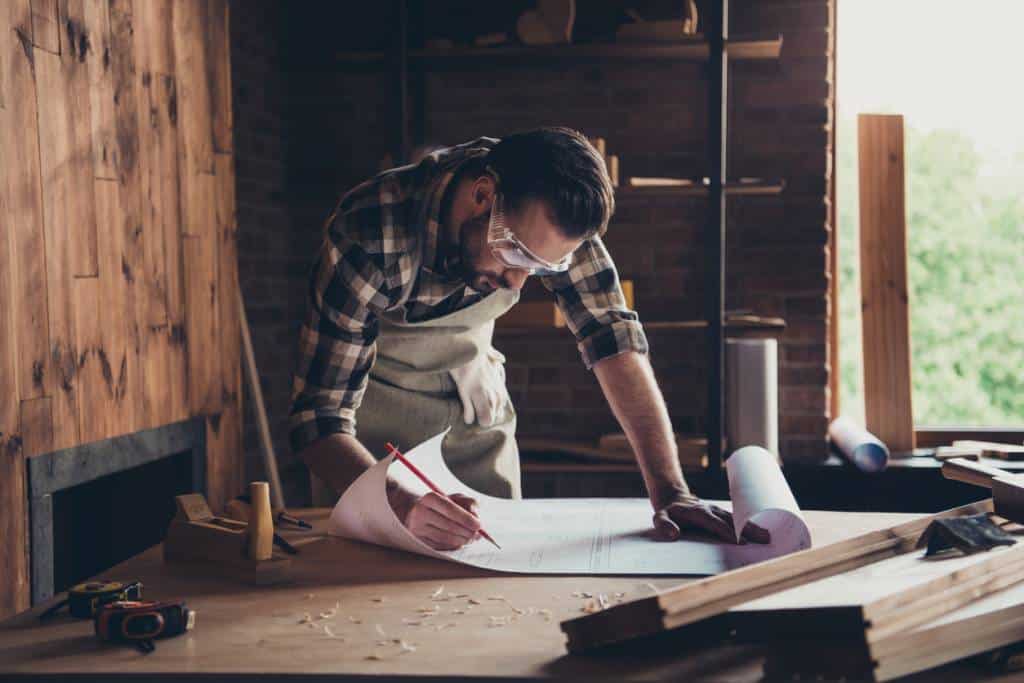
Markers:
695,189
696,49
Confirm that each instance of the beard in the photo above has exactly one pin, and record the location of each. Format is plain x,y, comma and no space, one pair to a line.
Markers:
472,240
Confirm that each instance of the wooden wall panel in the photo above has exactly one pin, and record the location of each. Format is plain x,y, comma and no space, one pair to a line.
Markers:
885,303
195,113
23,210
45,26
118,275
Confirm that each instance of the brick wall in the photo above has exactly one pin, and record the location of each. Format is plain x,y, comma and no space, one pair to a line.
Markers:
653,116
273,248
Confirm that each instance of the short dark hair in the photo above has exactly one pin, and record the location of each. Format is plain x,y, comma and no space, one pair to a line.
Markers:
561,167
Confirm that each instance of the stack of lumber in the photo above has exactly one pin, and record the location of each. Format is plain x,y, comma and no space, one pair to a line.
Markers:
871,607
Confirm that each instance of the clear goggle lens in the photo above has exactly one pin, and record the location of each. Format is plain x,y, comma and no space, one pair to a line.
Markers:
513,253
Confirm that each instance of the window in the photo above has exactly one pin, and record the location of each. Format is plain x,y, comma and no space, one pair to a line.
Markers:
953,70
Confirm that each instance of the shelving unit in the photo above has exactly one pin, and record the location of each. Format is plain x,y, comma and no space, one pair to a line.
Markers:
715,48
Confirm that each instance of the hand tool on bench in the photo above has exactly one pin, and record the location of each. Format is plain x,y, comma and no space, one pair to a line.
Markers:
1007,488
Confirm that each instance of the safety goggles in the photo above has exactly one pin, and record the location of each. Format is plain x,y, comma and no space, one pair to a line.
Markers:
513,253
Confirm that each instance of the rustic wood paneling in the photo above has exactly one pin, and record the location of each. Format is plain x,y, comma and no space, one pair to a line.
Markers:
23,210
195,114
45,26
117,181
218,64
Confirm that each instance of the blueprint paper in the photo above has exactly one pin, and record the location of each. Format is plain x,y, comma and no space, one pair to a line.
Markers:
546,536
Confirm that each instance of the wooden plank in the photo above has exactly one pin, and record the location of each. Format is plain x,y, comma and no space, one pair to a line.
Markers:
154,47
13,528
101,89
195,113
95,375
22,188
202,328
59,173
218,64
711,597
119,365
884,298
45,26
128,331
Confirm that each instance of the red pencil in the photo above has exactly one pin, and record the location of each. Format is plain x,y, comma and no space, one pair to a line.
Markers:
415,470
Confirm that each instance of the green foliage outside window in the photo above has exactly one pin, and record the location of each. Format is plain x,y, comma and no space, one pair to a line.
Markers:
966,281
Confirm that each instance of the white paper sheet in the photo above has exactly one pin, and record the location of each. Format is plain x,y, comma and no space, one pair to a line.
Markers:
553,536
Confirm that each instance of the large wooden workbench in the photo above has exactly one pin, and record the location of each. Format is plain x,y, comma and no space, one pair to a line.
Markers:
255,632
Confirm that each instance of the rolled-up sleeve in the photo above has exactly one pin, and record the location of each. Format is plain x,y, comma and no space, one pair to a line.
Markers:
348,289
590,297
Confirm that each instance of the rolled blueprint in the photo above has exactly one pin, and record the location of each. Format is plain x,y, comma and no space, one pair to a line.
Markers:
752,380
859,446
761,496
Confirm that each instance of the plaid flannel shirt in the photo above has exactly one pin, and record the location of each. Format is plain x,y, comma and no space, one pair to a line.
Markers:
377,240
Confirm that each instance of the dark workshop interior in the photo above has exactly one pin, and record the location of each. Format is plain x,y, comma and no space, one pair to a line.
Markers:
170,171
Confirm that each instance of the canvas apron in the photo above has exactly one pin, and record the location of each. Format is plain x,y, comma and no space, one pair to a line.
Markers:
410,396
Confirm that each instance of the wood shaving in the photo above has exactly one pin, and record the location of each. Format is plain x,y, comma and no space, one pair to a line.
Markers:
458,611
309,596
461,595
500,598
620,595
602,600
354,620
374,658
306,618
654,589
474,601
546,613
380,630
429,610
441,627
591,606
518,610
328,614
378,599
438,593
311,625
406,647
330,633
411,622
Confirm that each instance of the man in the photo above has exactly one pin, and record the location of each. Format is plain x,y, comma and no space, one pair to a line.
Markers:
415,266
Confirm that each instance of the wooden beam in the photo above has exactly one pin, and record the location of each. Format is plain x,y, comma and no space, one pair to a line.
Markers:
884,299
711,597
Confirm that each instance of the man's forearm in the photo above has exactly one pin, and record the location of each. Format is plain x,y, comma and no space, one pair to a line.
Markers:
628,383
339,459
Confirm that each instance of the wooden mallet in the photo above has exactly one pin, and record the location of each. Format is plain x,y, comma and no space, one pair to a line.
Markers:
1007,488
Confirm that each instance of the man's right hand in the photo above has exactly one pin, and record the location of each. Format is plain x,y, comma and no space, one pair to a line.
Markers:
441,523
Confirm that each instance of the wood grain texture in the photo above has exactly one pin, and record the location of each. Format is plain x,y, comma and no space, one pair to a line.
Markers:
218,65
14,566
23,205
101,89
195,118
45,26
884,299
57,173
100,179
202,327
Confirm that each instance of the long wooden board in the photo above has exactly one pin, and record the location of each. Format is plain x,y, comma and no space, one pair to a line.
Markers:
711,597
885,303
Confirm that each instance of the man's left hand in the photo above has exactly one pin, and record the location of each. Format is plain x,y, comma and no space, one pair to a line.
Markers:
686,511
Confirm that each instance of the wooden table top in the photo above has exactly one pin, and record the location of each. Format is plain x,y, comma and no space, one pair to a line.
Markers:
255,632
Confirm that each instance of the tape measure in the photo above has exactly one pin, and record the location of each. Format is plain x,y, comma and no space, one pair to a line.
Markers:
85,599
140,623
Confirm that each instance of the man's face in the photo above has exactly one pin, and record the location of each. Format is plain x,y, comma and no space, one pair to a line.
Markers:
532,225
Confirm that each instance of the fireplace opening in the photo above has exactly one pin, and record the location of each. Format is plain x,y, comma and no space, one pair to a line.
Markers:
105,521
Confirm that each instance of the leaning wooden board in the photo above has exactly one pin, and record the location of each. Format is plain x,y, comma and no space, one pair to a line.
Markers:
246,630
